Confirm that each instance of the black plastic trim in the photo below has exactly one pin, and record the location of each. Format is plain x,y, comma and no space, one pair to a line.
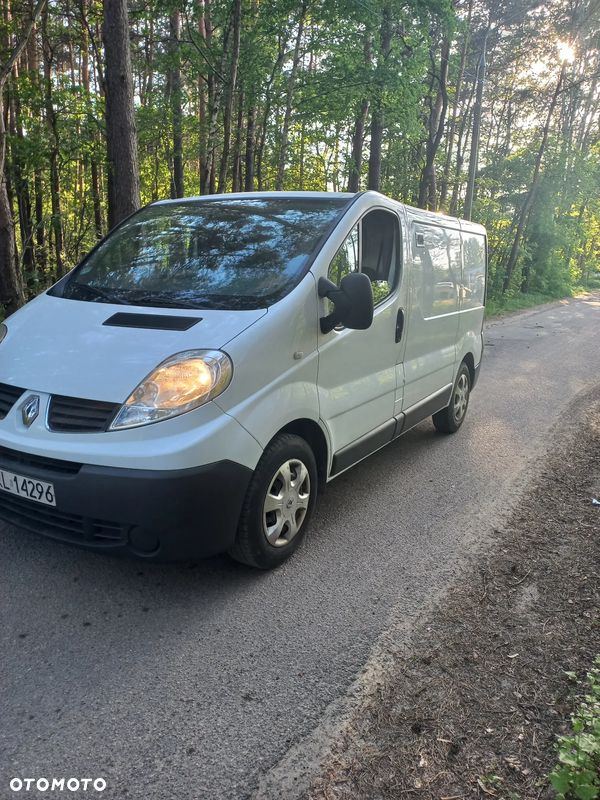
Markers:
17,461
77,415
159,322
363,447
400,420
427,407
8,397
163,515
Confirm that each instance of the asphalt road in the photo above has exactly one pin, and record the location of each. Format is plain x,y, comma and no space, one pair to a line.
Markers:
177,683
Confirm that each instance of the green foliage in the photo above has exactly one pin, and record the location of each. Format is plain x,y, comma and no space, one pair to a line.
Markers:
577,774
515,301
343,69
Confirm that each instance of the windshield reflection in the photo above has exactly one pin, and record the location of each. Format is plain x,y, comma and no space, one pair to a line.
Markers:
245,253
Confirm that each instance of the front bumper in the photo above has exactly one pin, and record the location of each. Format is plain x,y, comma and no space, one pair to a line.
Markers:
168,515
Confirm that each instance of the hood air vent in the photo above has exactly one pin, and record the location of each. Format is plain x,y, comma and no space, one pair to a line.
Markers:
157,322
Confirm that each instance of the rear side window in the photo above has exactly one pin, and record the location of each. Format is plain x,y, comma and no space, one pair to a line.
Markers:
372,247
472,293
438,266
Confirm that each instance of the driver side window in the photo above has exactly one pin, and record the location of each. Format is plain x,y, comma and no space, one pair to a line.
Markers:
345,261
371,247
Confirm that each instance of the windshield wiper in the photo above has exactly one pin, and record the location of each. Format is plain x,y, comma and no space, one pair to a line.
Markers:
99,293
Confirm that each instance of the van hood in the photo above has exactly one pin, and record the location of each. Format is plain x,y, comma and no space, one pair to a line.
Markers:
64,347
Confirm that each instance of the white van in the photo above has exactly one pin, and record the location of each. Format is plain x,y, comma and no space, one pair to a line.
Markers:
209,365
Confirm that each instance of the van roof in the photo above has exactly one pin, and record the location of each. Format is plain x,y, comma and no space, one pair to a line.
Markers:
431,217
256,196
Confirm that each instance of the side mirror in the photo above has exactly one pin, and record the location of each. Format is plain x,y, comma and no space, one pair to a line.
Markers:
353,302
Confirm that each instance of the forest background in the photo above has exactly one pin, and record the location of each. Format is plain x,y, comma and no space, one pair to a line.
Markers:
481,109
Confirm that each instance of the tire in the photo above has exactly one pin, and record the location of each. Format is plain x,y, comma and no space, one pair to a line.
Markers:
278,504
449,419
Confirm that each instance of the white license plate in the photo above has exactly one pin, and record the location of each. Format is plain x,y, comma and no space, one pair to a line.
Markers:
32,489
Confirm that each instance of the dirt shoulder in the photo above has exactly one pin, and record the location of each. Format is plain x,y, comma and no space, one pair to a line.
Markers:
473,704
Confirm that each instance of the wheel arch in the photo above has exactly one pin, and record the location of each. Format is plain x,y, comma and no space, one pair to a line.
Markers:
312,432
469,360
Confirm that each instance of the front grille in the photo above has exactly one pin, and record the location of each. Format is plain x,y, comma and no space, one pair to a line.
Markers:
14,460
52,522
74,415
8,397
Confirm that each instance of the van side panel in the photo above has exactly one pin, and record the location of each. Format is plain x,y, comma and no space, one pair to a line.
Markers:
275,367
433,320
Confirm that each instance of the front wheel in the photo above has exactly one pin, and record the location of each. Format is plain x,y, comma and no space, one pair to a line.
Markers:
278,504
449,419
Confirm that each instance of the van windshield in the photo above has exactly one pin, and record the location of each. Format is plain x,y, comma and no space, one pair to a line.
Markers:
231,254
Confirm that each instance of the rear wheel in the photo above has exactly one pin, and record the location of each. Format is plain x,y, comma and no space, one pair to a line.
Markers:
449,419
278,504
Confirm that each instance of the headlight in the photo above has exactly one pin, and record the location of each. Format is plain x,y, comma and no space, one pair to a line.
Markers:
182,382
3,330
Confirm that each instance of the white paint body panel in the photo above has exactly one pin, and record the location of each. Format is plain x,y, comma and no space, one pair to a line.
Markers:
430,357
61,346
271,388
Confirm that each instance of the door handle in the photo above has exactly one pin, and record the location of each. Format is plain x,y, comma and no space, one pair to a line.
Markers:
399,324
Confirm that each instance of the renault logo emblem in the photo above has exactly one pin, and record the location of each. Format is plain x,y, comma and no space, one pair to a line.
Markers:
30,409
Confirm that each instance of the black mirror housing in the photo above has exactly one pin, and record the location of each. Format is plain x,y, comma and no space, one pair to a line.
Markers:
353,302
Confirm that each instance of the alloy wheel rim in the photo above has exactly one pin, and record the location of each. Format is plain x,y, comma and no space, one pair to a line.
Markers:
461,397
286,502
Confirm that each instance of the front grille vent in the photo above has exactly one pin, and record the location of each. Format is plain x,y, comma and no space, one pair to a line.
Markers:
8,397
14,461
74,415
49,521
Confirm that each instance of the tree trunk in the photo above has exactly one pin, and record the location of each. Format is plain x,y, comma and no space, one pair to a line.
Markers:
512,260
428,188
267,110
460,146
474,156
456,105
208,183
121,135
52,123
289,99
377,119
250,141
21,183
359,128
237,155
40,244
357,147
11,287
204,29
148,77
85,80
174,82
228,112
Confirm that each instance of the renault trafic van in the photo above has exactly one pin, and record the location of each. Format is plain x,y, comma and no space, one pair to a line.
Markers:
189,386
